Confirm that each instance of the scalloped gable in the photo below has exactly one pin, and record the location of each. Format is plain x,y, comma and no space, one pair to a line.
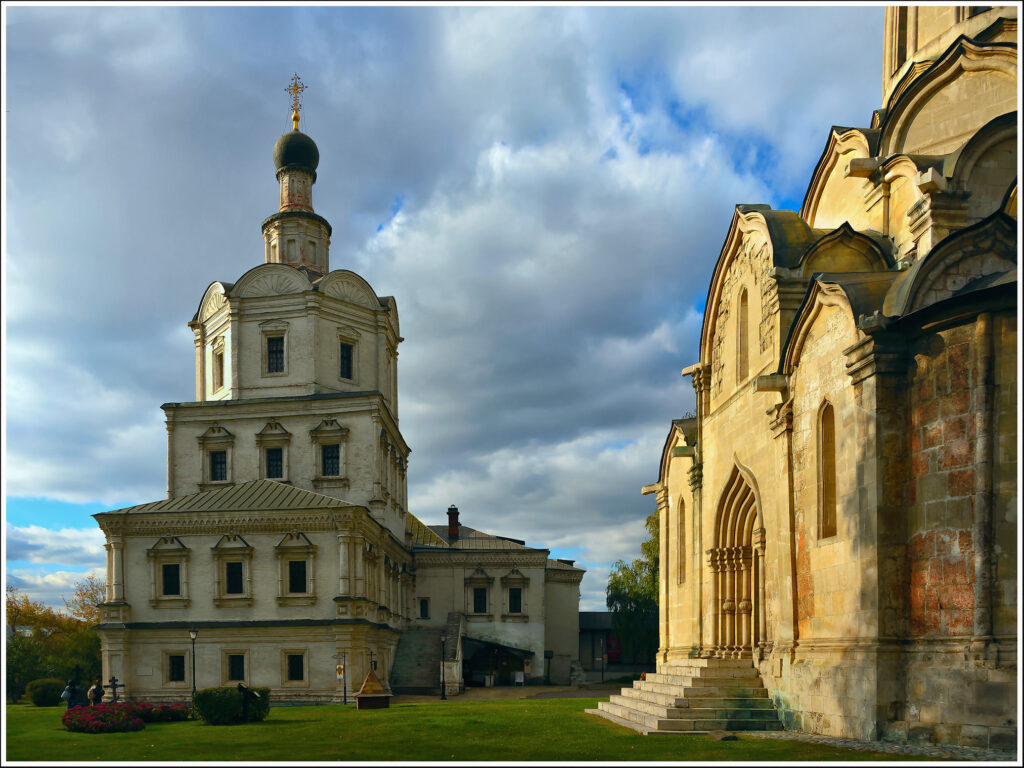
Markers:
918,104
271,280
846,250
214,297
348,286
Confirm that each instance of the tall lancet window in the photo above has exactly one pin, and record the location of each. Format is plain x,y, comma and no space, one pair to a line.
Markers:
742,334
827,472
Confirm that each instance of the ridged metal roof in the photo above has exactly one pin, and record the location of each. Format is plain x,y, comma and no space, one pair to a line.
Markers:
422,536
254,496
470,538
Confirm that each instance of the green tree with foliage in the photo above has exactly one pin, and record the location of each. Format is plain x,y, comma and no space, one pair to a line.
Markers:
632,597
53,644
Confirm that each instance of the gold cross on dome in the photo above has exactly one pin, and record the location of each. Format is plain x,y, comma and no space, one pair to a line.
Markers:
295,89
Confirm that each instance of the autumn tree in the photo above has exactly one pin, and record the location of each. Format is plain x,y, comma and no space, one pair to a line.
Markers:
632,597
87,595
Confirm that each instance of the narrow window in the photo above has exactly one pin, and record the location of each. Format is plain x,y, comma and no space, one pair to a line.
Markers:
424,608
296,666
741,338
275,354
330,460
345,355
480,600
297,576
827,472
218,466
901,38
515,600
275,462
233,579
236,666
218,370
176,668
171,573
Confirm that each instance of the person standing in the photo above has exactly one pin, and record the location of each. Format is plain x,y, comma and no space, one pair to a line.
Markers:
95,693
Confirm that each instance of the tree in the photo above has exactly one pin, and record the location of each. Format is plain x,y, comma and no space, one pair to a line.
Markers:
88,594
632,597
56,645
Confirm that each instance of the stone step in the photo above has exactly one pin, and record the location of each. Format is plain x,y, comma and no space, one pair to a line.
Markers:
706,679
674,700
704,692
686,671
720,663
690,725
697,713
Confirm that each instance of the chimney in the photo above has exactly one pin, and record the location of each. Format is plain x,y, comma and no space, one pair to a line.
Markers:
453,523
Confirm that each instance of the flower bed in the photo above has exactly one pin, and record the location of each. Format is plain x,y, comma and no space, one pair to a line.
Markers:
119,716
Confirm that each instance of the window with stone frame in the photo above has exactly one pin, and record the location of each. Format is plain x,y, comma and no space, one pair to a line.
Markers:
424,607
169,559
514,586
176,668
217,374
346,360
232,558
216,447
273,442
329,439
295,667
478,595
274,337
296,556
234,666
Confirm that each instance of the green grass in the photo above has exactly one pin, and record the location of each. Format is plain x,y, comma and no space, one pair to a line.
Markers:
516,730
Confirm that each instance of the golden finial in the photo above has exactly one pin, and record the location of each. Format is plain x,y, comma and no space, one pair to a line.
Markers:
296,89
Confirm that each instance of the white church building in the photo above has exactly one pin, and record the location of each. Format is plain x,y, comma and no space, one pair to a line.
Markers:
285,544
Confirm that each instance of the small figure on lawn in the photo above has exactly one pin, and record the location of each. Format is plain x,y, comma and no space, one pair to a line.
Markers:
247,696
72,695
95,693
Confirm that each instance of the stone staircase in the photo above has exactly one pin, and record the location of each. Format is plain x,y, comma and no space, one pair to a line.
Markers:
417,662
695,696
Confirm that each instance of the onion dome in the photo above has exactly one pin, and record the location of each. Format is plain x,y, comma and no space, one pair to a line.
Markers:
296,150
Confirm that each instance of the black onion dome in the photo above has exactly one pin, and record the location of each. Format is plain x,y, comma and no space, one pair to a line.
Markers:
296,149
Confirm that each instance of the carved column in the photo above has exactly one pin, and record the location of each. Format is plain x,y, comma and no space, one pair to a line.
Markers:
344,562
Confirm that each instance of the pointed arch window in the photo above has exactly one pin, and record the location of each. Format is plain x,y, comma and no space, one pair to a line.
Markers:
826,472
742,334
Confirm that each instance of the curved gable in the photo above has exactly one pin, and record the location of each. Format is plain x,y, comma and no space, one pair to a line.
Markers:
846,250
979,251
270,280
936,112
214,299
836,191
987,166
820,296
348,286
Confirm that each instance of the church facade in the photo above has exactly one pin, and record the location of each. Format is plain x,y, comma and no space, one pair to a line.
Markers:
841,512
285,541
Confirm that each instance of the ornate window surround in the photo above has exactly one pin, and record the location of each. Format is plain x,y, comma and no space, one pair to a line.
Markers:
165,668
514,579
232,548
478,579
216,438
273,329
217,348
296,546
225,668
273,435
329,432
168,550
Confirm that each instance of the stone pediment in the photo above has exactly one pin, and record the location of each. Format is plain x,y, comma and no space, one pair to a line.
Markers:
295,540
348,286
167,545
271,280
230,542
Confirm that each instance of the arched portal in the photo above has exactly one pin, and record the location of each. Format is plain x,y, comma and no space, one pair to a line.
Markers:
736,562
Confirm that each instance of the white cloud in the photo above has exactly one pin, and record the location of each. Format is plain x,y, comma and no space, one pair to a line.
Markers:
71,546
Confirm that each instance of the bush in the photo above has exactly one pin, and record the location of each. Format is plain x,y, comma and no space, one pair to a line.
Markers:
223,706
155,713
45,692
112,717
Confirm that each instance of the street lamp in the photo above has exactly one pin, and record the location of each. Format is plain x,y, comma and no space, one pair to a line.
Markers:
193,633
444,694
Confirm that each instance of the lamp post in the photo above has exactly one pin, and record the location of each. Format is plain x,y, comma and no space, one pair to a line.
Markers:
444,693
193,633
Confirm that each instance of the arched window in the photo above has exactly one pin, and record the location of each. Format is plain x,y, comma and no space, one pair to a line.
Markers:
827,472
681,540
742,355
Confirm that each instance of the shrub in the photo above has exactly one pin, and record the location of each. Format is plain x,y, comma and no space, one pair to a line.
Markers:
223,706
112,717
45,692
155,713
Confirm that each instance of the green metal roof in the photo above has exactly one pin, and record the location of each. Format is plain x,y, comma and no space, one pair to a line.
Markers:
254,496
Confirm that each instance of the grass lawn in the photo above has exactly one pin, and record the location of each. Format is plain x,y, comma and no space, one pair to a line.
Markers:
512,730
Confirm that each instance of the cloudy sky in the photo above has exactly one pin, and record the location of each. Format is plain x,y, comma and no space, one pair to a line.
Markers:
544,190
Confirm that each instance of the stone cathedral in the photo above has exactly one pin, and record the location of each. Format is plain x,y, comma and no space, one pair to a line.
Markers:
839,530
285,541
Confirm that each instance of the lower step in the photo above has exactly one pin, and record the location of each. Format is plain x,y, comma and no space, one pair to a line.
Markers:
653,722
